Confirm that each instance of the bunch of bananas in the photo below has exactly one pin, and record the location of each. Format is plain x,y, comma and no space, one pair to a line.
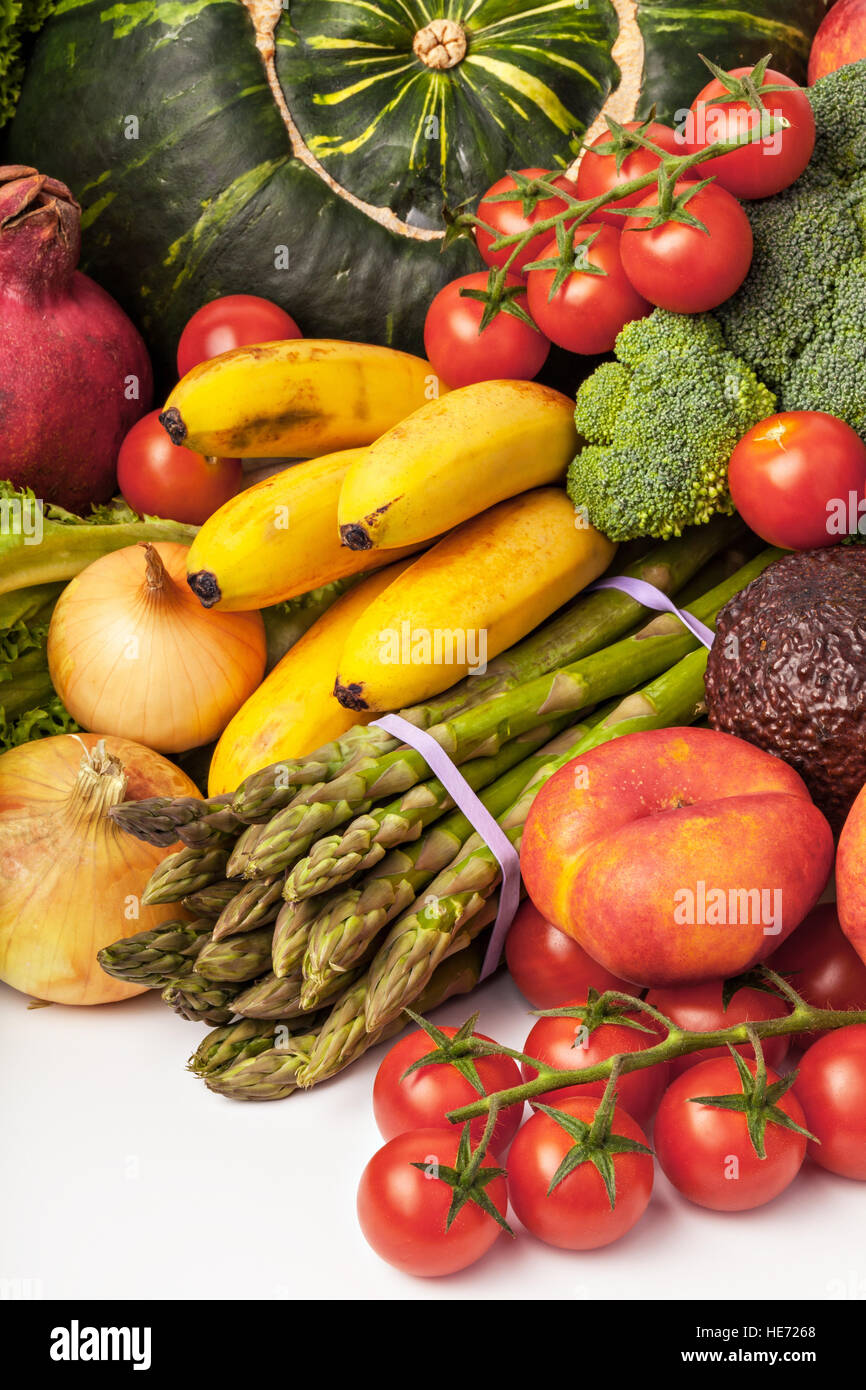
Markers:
393,464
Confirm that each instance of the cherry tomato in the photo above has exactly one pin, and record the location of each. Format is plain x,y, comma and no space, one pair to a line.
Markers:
822,965
162,479
402,1210
682,268
767,165
707,1153
425,1096
230,322
461,355
508,218
563,1043
577,1214
588,311
792,478
549,967
598,172
698,1009
831,1087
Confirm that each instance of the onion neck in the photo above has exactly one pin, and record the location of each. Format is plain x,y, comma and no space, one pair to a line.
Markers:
158,586
100,784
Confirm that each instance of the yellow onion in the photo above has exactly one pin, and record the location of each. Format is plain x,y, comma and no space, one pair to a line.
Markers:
132,652
70,880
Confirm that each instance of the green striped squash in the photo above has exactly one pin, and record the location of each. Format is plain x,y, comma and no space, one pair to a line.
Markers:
304,150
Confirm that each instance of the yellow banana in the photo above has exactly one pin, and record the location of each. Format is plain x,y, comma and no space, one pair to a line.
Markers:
296,399
293,711
454,458
278,539
475,593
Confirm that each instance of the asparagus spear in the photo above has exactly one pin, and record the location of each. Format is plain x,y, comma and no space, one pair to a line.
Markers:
365,841
156,957
235,958
270,997
419,940
290,935
200,1000
590,622
210,901
185,872
253,905
344,1037
251,1060
340,936
484,730
162,820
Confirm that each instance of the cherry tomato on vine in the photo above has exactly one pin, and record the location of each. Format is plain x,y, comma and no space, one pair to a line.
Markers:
768,164
822,965
509,217
791,477
598,173
588,310
403,1209
564,1043
707,1153
698,1009
424,1097
462,353
549,967
831,1087
683,268
232,321
162,479
577,1214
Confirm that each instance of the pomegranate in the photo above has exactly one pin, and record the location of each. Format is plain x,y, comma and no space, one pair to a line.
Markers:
74,373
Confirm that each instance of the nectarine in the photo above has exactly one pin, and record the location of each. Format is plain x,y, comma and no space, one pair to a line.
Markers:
676,855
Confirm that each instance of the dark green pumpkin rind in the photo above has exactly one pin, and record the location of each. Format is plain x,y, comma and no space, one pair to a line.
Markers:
208,199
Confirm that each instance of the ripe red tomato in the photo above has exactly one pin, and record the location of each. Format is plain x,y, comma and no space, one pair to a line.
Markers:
767,165
598,172
162,479
577,1214
698,1009
461,354
682,268
822,964
424,1098
230,322
707,1153
549,967
509,218
402,1210
588,311
562,1043
792,476
831,1087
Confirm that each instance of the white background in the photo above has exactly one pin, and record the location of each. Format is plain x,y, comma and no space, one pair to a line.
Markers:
122,1176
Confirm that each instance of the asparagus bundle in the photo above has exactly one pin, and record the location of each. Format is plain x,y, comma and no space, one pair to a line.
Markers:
368,920
156,958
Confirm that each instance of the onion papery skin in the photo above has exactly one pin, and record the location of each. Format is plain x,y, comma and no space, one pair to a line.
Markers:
151,665
70,880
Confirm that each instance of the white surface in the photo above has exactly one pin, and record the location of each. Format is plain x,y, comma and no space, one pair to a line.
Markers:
121,1176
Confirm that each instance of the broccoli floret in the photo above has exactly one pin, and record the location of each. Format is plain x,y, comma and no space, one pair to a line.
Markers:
657,450
798,320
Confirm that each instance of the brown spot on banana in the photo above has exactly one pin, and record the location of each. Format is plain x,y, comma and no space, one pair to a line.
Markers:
205,586
172,422
350,696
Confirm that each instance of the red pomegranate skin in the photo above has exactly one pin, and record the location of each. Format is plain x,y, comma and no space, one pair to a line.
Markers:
74,372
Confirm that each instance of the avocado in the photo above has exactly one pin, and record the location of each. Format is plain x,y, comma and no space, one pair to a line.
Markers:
787,671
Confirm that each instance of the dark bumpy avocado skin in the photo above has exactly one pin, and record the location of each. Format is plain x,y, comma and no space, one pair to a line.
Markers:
794,681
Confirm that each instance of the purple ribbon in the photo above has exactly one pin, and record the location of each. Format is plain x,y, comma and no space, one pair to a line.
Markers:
471,804
475,811
650,597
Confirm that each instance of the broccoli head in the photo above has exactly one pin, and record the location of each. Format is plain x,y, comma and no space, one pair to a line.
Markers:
660,425
799,319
